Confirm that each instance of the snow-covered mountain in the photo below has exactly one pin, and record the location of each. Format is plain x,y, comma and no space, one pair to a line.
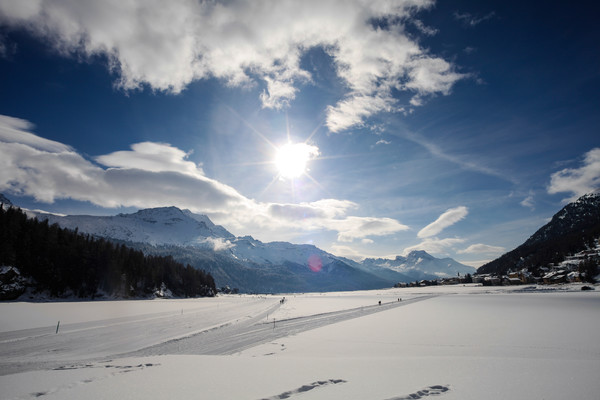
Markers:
242,262
247,248
171,226
419,264
576,227
250,264
156,226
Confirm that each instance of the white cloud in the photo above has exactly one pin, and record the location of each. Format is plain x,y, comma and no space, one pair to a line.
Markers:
16,130
331,214
353,110
218,244
351,228
578,181
480,248
435,246
528,202
382,141
430,75
154,157
346,251
158,174
167,45
448,218
321,209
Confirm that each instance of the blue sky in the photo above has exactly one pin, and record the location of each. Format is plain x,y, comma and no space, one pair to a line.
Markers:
456,127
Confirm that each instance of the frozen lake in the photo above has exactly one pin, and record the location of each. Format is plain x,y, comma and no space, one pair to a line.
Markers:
457,342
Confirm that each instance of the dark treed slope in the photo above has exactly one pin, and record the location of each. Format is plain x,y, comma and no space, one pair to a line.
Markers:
572,229
62,261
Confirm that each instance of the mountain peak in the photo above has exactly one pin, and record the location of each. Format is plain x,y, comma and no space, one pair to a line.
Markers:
420,254
156,226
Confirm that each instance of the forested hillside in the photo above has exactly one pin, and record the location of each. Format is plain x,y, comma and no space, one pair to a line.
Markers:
65,262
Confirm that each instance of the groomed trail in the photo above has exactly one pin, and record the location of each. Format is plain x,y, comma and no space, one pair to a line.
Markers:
233,338
225,331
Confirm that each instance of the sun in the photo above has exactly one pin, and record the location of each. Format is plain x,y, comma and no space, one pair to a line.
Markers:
292,159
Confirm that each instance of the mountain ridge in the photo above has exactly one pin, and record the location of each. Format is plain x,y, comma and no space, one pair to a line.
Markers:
422,265
572,229
245,262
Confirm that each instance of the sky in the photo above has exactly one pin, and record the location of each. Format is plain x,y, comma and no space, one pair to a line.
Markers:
367,128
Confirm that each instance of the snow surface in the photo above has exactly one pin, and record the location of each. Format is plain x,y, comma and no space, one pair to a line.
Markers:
452,342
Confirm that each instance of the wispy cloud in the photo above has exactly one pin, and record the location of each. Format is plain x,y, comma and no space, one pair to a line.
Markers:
17,130
424,29
448,218
528,202
471,20
382,141
481,248
462,161
158,174
167,45
578,181
7,49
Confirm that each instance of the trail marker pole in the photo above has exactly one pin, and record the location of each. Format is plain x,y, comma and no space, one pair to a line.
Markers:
57,325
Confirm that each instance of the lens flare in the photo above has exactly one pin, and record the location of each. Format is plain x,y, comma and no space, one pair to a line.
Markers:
315,263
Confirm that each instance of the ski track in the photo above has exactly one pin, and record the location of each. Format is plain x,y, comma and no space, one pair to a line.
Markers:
42,348
237,337
161,334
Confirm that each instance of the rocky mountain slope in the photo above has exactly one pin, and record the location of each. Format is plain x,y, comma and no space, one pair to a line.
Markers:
574,228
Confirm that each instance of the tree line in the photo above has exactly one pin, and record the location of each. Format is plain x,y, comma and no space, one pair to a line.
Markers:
64,262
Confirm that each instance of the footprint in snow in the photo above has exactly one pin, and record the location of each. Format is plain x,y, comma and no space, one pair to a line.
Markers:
305,388
435,390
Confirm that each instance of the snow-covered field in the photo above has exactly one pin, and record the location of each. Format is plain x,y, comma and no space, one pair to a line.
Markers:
454,342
